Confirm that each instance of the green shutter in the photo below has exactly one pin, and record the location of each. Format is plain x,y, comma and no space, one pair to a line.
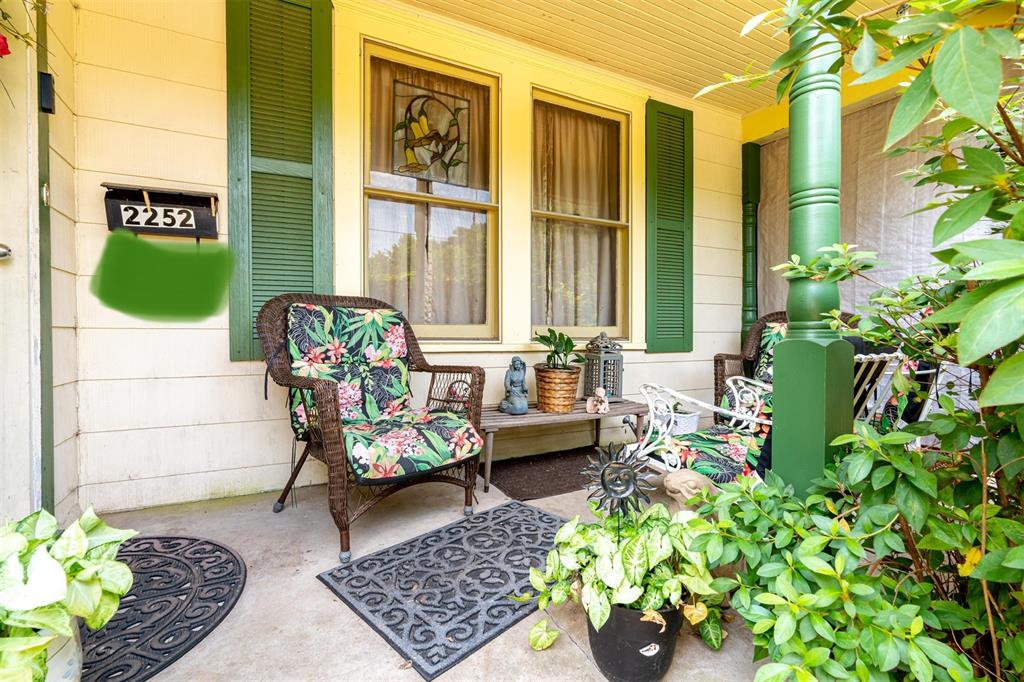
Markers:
279,156
669,151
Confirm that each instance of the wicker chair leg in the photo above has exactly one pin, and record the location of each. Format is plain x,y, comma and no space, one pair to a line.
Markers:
471,468
337,495
279,505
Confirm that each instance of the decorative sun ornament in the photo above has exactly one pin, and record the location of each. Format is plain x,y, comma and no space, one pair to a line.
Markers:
616,479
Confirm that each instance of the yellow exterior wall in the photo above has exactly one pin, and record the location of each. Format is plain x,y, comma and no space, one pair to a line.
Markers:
164,416
769,121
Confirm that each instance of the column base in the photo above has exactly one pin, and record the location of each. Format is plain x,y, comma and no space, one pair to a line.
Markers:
812,405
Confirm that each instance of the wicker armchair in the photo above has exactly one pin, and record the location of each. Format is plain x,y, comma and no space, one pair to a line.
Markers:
452,389
739,364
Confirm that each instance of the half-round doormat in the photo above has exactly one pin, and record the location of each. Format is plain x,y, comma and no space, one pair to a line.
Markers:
184,587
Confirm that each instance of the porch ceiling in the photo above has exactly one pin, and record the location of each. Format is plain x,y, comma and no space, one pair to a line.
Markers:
677,45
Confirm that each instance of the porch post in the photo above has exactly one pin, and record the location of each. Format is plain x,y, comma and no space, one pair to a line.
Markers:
751,198
813,372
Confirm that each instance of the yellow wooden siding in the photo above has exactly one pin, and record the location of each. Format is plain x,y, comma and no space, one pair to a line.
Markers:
163,415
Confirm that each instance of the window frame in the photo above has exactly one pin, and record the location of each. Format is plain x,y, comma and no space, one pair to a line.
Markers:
621,328
490,329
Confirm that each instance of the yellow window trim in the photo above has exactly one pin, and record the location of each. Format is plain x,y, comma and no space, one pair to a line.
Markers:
619,330
490,330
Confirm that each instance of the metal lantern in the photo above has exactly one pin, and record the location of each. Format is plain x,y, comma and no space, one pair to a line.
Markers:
604,367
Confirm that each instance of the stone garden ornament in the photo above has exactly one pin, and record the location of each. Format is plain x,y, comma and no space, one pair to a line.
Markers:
516,392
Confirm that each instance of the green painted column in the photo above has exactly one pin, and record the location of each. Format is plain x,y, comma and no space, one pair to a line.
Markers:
751,198
813,401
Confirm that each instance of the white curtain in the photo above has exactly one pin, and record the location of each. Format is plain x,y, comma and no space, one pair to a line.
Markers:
428,260
875,205
576,173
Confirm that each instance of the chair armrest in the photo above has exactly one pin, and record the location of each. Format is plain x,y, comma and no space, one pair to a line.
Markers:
456,388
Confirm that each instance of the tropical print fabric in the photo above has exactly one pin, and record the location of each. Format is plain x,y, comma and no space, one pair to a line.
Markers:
363,350
413,441
770,337
723,453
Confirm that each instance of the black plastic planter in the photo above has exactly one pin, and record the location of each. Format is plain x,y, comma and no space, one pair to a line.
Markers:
627,649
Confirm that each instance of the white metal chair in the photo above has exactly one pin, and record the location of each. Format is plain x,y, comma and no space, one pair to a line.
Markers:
742,443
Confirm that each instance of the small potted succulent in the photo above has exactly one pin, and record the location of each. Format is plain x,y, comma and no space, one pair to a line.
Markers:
632,571
50,580
558,378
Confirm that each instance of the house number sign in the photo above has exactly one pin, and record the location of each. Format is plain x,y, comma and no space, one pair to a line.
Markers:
161,211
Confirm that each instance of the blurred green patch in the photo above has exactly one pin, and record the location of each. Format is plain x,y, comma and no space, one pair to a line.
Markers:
162,281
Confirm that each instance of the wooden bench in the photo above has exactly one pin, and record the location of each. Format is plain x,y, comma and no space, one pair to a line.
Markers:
493,420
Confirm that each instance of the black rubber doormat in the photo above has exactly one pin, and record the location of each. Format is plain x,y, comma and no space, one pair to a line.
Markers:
184,587
537,476
440,596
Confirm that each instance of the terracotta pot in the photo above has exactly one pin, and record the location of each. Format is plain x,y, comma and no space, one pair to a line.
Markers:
557,388
627,649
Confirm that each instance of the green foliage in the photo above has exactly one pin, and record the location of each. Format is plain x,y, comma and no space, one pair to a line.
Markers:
541,636
641,561
46,578
828,587
907,561
562,350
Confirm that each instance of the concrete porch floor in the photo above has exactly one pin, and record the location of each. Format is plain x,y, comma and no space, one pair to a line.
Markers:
288,626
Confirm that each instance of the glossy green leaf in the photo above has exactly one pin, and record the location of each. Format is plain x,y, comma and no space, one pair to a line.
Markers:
105,610
634,559
866,56
902,57
992,568
922,23
961,216
71,543
968,75
541,636
1006,385
913,106
755,21
83,597
943,656
985,160
919,664
965,303
785,627
710,630
1014,558
992,323
1002,41
858,466
599,609
912,503
991,249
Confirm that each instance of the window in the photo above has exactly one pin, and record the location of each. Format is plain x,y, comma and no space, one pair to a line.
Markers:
279,156
580,221
430,192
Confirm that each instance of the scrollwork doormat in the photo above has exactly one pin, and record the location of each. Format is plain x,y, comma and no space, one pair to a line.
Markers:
440,596
184,587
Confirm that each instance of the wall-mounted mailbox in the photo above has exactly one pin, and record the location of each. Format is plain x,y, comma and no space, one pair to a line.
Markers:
168,212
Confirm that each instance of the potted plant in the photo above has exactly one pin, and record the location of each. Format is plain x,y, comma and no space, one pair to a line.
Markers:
50,580
632,571
558,378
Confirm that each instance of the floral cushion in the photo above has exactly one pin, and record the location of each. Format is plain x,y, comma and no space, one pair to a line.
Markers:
410,442
770,337
364,350
723,453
